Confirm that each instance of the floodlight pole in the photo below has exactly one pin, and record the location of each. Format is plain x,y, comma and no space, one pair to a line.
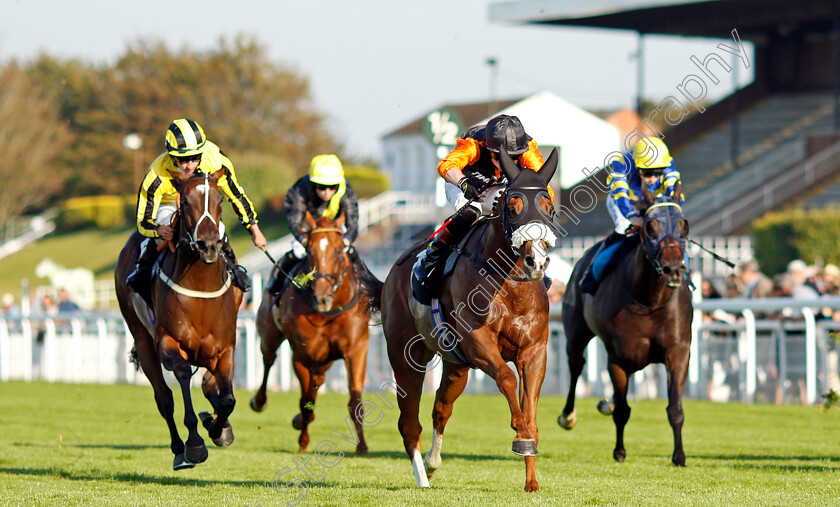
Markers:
640,74
835,45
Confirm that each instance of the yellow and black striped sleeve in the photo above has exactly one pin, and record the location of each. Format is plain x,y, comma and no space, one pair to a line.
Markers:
148,201
243,206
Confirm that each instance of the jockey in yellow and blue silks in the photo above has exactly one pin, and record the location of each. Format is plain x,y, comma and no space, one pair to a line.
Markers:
187,151
649,164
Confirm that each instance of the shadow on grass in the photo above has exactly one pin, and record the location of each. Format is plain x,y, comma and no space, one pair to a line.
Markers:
445,455
133,478
765,457
118,447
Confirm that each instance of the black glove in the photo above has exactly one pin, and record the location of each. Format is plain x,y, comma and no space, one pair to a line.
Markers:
470,192
636,223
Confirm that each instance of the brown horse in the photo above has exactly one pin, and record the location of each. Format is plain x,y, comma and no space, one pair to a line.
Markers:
497,311
642,311
195,310
325,321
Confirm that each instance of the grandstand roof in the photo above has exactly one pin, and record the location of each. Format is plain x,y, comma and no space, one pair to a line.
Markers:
753,19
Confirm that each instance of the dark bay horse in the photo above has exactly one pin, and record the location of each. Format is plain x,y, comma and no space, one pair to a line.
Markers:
642,311
495,309
195,318
325,321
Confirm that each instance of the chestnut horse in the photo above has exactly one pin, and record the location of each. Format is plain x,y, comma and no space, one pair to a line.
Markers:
497,311
195,318
642,311
325,321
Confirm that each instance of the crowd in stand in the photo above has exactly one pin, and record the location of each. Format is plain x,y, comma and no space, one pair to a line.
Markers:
798,281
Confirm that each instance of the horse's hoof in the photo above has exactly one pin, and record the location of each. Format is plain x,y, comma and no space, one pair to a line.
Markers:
524,447
196,454
567,422
181,463
532,486
619,455
678,461
225,438
606,407
297,422
256,407
361,449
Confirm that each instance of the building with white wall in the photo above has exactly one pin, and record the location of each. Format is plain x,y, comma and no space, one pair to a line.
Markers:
584,140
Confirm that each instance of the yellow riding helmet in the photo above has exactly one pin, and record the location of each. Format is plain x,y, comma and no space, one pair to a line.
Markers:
326,170
651,153
185,138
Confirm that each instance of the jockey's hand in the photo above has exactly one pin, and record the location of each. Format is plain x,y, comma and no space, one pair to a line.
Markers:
166,232
636,223
470,192
346,242
257,237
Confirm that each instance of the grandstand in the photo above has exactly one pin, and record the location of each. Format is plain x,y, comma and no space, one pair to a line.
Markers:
772,143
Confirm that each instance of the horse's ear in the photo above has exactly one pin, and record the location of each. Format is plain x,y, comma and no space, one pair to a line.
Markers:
216,176
340,220
178,180
310,221
548,168
677,192
509,167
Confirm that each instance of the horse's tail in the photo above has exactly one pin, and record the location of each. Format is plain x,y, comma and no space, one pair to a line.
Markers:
371,288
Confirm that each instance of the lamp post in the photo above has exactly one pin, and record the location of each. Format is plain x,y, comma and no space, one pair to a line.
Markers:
134,142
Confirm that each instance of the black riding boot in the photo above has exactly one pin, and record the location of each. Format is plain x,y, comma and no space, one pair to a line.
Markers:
359,266
281,281
237,272
430,263
588,284
140,280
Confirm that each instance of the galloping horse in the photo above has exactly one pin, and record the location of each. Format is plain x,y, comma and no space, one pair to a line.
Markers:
323,322
498,312
642,311
194,319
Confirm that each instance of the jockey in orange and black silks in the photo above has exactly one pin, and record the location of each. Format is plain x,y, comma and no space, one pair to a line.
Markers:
469,169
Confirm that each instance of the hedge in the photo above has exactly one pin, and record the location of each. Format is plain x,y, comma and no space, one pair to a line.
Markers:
812,235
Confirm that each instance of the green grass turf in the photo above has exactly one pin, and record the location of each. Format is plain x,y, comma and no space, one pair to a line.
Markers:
66,444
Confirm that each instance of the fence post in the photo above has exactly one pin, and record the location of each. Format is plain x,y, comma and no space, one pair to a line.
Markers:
694,350
4,350
810,355
102,343
748,354
28,343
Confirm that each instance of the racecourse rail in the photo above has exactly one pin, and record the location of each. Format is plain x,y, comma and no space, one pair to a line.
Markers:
748,359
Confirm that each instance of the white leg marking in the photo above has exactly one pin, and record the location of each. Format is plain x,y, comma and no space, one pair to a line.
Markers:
432,459
419,470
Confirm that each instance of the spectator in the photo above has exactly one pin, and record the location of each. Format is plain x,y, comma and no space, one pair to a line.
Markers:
831,280
48,306
755,284
65,304
556,292
10,309
733,286
711,291
804,287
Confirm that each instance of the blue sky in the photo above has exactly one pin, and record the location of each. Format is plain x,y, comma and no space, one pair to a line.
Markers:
373,64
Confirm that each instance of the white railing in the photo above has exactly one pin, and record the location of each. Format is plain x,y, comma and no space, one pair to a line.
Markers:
94,347
753,203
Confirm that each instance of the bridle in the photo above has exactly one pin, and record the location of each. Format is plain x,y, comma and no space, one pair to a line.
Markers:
651,245
335,280
188,237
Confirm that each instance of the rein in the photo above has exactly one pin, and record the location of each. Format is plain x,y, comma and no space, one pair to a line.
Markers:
309,298
188,239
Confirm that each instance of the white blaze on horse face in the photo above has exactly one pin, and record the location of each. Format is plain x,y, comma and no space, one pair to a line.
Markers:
536,233
323,244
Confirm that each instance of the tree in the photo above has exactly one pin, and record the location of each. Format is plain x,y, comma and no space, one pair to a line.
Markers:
33,138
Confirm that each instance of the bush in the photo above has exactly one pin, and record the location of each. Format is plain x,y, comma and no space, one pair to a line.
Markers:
101,211
813,236
366,181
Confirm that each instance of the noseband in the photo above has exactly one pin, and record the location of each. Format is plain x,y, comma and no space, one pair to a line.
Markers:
334,280
535,217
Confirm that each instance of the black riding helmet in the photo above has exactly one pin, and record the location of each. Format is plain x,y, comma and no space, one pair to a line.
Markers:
508,132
